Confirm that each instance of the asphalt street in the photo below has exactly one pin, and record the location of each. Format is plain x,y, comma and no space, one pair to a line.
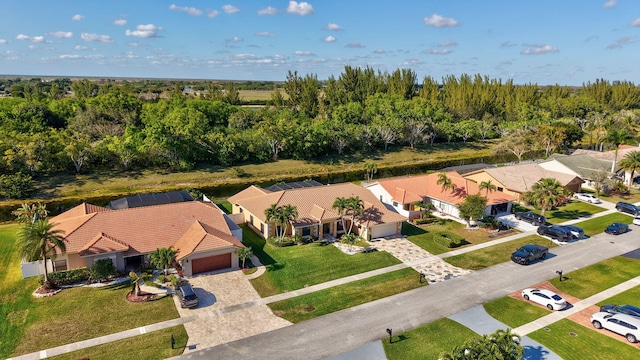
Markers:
342,331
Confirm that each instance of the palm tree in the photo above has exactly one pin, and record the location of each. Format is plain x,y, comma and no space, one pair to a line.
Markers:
340,204
355,207
163,258
244,253
370,168
40,240
135,281
488,186
445,182
273,216
631,162
349,239
288,214
616,137
30,213
545,194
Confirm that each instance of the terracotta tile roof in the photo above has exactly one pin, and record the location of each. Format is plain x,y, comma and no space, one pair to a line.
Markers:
143,229
521,177
82,209
250,192
315,202
200,237
102,244
426,186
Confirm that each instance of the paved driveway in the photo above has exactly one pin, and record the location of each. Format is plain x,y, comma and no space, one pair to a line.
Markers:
226,311
511,221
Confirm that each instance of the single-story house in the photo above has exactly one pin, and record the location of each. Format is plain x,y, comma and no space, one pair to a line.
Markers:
610,156
581,164
517,179
316,215
199,231
406,195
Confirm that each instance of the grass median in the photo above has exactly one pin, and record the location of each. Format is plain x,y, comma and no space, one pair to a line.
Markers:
340,297
597,225
514,312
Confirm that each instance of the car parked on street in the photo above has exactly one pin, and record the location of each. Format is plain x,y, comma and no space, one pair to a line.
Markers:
617,228
529,253
591,199
531,217
636,220
628,208
545,297
555,232
187,296
625,325
621,309
575,231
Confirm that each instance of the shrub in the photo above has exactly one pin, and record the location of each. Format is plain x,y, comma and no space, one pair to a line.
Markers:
426,220
68,277
448,240
16,186
173,279
287,241
102,269
162,279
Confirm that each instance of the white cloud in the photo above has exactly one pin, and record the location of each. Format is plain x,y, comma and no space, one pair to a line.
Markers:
78,47
614,46
23,37
235,39
440,21
626,40
230,9
610,3
268,11
355,45
379,51
189,10
448,43
36,39
304,53
69,56
438,51
301,8
96,38
508,44
213,13
77,17
332,26
134,44
61,34
329,39
539,49
3,41
144,31
266,34
635,22
120,22
32,47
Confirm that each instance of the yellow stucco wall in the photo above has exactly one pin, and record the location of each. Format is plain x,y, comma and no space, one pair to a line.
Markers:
484,176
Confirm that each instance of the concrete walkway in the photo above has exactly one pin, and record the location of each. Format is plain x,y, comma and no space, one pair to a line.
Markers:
260,268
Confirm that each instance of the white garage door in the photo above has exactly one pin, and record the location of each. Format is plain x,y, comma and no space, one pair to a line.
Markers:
383,230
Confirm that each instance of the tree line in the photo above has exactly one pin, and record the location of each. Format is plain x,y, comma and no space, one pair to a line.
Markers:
85,125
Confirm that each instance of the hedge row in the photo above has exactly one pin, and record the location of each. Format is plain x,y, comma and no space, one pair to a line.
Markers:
69,277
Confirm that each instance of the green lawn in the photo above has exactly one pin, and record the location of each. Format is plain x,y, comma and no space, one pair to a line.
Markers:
514,312
597,225
28,324
293,267
225,206
586,344
423,236
152,346
629,297
427,341
633,197
573,210
323,302
593,279
496,254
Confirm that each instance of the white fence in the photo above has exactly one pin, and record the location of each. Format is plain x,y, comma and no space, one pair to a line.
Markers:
35,268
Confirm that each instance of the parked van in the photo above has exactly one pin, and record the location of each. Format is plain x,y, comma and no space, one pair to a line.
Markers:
187,296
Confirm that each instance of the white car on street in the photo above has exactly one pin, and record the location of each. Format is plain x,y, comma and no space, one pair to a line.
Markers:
636,220
625,325
591,199
545,297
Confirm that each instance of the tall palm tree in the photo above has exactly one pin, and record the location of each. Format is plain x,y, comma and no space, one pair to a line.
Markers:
340,204
616,137
288,214
273,216
29,213
244,253
135,281
488,186
355,207
163,258
39,240
545,194
370,168
631,162
445,182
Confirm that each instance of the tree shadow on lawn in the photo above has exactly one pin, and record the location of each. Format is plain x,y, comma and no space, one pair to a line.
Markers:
570,214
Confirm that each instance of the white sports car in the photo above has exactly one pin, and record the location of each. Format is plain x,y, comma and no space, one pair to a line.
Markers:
545,297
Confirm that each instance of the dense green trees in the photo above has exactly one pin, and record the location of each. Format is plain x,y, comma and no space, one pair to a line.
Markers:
84,125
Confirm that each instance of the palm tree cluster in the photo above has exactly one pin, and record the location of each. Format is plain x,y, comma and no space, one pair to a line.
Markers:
351,207
163,258
546,194
502,344
281,216
630,162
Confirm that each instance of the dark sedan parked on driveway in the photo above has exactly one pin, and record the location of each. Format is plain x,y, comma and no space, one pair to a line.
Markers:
529,253
617,228
621,309
531,217
555,232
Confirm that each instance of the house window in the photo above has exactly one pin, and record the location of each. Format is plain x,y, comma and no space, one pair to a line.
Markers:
380,198
395,204
241,209
306,231
251,219
500,189
407,207
262,228
60,265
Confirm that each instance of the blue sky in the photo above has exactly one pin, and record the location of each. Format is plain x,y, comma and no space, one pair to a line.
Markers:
568,42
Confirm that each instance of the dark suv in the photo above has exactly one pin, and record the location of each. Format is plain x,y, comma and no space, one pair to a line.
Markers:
187,296
628,208
531,217
555,232
529,253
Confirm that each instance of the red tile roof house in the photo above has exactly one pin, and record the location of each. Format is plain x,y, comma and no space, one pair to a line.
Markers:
406,194
316,216
198,230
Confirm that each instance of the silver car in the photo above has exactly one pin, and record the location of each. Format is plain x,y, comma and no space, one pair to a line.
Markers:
625,325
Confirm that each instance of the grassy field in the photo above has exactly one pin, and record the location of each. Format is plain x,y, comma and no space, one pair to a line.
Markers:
323,302
514,312
586,344
423,236
427,341
593,279
28,324
629,297
597,225
293,267
496,254
573,210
